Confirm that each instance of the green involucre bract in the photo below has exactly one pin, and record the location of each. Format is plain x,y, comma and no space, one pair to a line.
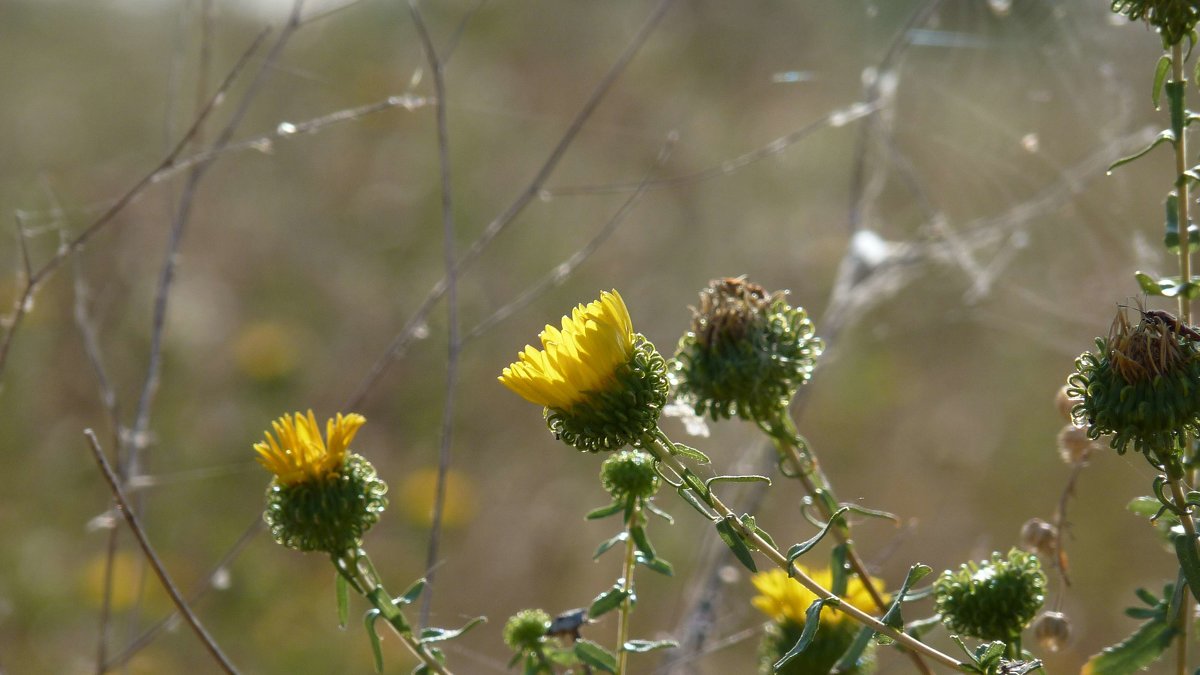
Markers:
629,473
1174,19
330,514
992,599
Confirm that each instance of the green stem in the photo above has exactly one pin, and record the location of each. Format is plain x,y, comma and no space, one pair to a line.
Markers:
1185,312
795,449
662,448
360,573
626,607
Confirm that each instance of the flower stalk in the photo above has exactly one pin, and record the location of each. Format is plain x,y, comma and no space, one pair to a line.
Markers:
662,449
796,450
626,607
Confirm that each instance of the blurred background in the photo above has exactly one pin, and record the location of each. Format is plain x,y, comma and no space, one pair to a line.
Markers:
927,178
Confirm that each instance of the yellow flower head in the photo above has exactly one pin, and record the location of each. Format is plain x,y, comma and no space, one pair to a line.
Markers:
786,600
297,454
580,358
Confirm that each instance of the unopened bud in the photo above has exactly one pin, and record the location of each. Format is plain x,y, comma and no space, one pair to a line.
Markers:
1040,537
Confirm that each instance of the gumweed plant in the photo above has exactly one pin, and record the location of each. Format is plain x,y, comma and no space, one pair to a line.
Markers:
1140,387
323,497
602,387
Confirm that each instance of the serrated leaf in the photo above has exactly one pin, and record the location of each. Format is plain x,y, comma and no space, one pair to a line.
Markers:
411,594
1164,136
441,634
607,602
341,588
691,453
595,656
1189,561
1160,76
987,654
643,646
805,546
812,621
1135,653
605,511
612,541
376,649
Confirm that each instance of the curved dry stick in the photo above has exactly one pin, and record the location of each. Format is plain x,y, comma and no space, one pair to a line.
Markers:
531,191
168,585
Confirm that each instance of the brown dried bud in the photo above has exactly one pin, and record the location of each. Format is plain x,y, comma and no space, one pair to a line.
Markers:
1074,446
1040,537
1052,630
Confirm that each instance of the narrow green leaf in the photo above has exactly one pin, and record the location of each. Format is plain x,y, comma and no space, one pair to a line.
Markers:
441,634
1148,285
696,503
800,549
595,656
607,602
421,669
1164,136
641,541
342,588
812,621
691,453
766,536
1135,653
1160,76
736,544
605,511
850,660
411,594
1147,507
652,508
893,617
1189,561
654,564
693,481
618,538
752,478
1176,93
873,513
376,649
837,567
643,646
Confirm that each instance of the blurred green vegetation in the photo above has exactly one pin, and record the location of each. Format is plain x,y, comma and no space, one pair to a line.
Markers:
303,258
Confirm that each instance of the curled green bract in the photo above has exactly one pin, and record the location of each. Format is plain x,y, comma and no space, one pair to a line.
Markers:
330,514
1143,390
747,353
622,413
993,599
1174,19
629,473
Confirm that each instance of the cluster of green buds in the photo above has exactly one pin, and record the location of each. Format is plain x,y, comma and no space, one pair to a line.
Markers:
1174,19
629,475
1142,385
993,599
323,497
746,354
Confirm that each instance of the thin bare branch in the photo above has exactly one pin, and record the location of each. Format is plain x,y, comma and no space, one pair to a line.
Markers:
222,565
401,341
152,557
22,306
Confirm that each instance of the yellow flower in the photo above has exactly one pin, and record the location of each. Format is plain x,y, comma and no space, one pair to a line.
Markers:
579,359
786,600
297,454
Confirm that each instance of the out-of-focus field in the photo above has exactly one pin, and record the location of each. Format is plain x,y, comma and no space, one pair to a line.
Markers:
305,255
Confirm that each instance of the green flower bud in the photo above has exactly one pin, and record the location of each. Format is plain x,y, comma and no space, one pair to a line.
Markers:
746,354
526,629
629,473
1174,19
327,514
993,599
1141,386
